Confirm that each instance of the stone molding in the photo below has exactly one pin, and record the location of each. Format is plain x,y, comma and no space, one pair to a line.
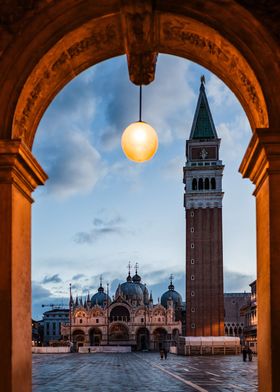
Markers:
80,46
262,156
19,167
195,204
117,33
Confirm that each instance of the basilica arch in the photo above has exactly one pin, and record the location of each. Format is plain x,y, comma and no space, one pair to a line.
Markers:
45,44
95,336
142,338
78,338
118,332
160,338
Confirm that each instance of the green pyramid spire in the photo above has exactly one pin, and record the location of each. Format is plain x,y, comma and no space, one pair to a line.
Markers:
203,126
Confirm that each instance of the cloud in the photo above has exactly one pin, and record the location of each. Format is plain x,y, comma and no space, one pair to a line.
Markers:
76,102
65,140
39,292
101,228
219,94
111,222
173,169
237,281
78,276
75,168
42,296
52,279
235,136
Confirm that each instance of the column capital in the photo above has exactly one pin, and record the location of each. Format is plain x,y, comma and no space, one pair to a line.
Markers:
18,166
262,156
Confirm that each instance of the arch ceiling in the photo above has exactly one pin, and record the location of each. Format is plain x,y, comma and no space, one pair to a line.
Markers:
58,40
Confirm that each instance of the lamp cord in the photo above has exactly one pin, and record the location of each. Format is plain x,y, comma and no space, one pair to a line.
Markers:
140,103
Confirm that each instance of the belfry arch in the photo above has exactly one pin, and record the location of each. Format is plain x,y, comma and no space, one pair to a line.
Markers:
46,45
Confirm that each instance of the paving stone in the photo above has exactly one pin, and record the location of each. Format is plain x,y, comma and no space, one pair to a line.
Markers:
133,372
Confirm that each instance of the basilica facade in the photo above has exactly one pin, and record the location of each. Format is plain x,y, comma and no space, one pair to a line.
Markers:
129,319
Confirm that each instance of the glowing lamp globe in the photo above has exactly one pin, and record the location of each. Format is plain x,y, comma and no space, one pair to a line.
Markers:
139,141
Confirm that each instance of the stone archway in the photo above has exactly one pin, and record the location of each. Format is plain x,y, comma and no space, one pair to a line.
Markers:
95,336
160,339
52,42
119,313
143,339
119,333
78,337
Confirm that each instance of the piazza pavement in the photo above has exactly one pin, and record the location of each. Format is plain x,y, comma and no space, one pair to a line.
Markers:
145,372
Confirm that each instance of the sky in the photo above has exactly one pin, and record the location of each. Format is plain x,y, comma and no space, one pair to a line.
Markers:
98,210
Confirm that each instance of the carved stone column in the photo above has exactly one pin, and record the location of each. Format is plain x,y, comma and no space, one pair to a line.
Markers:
261,164
19,175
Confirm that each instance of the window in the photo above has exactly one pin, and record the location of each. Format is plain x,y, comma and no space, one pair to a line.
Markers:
192,277
192,245
159,319
213,183
200,184
192,310
192,229
192,294
81,321
193,325
192,214
194,184
207,184
97,321
192,261
142,320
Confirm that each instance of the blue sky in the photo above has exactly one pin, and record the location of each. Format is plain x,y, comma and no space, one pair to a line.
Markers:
98,211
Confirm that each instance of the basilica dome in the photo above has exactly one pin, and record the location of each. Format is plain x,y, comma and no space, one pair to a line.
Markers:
137,280
130,291
173,295
100,298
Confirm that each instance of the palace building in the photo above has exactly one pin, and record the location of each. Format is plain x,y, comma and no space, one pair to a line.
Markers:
129,319
203,173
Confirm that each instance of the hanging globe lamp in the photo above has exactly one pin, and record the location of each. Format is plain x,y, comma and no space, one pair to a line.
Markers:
139,140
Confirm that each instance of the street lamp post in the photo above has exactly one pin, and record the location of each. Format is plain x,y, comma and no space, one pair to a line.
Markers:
107,314
70,317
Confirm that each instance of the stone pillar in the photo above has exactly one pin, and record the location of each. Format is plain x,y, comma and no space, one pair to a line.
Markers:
19,175
261,164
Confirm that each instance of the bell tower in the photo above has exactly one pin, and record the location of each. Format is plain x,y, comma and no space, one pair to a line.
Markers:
204,244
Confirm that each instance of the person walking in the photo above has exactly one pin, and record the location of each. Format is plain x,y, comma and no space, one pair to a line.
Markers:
165,353
161,352
244,353
250,354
